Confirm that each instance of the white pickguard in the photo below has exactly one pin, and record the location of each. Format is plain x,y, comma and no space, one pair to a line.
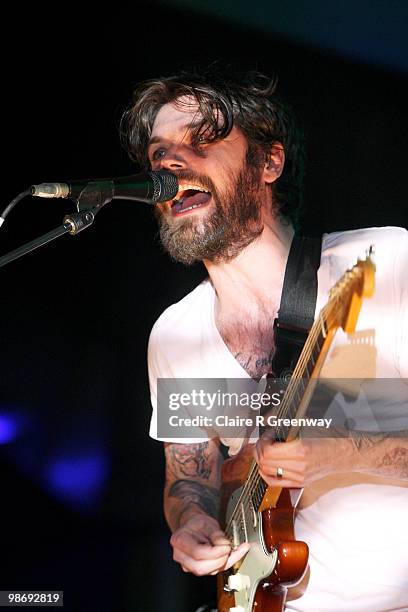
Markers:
258,562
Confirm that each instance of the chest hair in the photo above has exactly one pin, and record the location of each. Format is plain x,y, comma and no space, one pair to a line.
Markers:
251,342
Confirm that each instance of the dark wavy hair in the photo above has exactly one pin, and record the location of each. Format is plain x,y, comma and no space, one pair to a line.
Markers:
225,98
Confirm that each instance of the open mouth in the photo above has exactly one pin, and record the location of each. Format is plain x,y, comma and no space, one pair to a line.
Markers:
189,198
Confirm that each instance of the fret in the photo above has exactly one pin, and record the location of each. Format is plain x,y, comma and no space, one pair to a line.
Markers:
308,370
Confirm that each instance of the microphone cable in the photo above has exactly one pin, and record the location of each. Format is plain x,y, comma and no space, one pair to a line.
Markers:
12,204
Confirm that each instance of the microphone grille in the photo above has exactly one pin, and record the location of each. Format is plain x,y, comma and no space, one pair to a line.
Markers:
165,186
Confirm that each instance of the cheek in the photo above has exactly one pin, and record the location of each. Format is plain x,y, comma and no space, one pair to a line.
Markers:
154,165
224,178
158,210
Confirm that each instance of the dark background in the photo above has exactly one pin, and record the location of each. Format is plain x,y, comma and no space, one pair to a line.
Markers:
81,505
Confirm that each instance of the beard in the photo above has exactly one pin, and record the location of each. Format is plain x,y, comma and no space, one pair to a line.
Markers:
234,222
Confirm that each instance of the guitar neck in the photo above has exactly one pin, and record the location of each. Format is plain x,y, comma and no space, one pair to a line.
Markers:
301,385
256,492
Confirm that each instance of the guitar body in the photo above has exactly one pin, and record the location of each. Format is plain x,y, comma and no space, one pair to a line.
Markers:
276,560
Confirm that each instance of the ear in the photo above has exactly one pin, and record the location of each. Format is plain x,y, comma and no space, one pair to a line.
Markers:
273,167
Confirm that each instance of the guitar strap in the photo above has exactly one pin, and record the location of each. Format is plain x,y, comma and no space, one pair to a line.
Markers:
296,310
297,306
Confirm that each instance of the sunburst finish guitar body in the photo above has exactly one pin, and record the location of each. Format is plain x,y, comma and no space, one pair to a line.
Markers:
264,516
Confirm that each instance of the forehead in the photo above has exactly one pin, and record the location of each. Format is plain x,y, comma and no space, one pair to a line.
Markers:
174,120
177,116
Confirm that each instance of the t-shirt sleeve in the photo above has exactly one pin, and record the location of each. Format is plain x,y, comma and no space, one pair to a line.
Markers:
154,374
401,291
160,367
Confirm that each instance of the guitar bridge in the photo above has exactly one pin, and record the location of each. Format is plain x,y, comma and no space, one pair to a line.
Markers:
225,577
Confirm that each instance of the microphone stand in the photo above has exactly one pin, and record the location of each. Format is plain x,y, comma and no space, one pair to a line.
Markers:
88,203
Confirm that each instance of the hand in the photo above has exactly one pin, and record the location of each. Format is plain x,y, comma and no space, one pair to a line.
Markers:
302,460
201,547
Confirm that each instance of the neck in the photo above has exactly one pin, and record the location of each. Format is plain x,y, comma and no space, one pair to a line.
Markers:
254,279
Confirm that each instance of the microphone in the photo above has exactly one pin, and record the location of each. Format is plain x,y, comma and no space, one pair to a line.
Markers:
148,187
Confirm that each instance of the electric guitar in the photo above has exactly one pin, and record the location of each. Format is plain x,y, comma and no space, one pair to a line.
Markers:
252,511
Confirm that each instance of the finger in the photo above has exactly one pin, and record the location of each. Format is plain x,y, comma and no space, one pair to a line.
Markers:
291,467
192,547
200,568
218,538
288,481
237,554
278,450
265,450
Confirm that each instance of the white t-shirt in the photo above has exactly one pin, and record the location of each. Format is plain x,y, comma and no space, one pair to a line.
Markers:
355,525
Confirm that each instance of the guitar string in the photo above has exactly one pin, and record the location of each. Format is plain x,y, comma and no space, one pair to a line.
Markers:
322,323
326,318
280,412
253,480
255,485
306,356
251,497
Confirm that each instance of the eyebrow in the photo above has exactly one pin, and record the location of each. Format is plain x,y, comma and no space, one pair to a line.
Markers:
154,140
185,128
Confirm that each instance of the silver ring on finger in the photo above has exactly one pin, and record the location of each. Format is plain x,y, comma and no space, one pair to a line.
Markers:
279,472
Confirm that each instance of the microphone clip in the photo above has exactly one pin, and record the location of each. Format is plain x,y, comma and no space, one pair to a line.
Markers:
88,202
94,196
76,222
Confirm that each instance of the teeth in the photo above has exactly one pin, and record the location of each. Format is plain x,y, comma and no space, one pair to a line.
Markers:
191,207
195,187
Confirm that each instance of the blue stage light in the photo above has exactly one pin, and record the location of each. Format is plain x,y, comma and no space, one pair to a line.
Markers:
78,479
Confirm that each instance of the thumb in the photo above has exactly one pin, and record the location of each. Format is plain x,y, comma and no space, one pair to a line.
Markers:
218,538
237,554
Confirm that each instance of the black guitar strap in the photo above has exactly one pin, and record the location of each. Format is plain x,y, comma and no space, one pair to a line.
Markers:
297,306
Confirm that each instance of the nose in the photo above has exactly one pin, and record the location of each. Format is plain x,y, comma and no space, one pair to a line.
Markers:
174,158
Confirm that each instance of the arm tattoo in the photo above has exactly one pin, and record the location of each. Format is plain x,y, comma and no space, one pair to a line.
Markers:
190,460
397,458
383,454
193,493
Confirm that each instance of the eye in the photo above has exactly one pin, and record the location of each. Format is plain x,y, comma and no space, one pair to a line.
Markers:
158,154
200,146
201,141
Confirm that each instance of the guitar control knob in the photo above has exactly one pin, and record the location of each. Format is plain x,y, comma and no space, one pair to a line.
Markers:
237,582
237,609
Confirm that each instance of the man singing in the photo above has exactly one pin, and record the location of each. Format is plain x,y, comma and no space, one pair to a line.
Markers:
239,159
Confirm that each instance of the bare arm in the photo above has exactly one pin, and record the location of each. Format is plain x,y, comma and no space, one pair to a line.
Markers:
191,499
305,460
381,455
192,481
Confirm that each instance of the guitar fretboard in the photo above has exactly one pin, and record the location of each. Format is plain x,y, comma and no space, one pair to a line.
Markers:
342,309
255,487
